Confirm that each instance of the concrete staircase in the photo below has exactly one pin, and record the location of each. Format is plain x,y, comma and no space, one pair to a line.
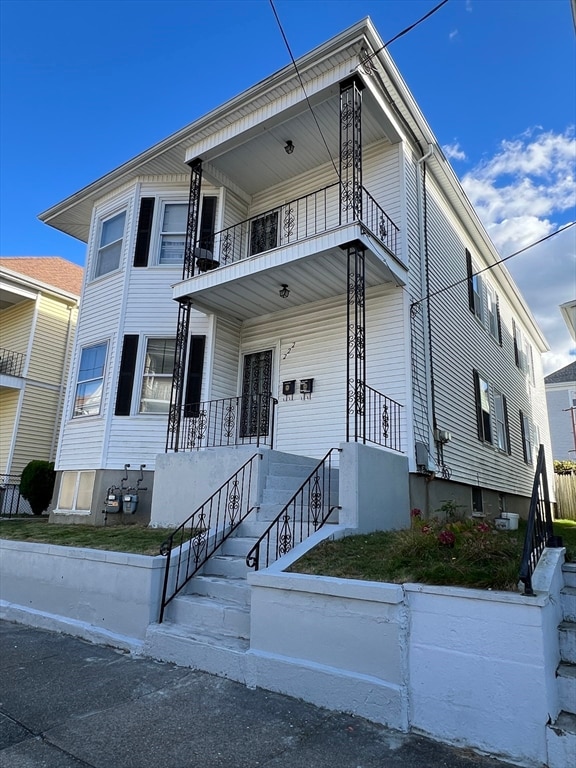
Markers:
207,626
561,735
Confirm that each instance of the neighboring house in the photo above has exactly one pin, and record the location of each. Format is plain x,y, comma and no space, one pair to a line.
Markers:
39,299
259,260
561,401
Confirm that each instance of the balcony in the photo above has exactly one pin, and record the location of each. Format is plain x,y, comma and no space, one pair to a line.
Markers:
11,363
301,244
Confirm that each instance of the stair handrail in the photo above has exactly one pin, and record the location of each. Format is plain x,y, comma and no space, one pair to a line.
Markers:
206,529
288,527
539,528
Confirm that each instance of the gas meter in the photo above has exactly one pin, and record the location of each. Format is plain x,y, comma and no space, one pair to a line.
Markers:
113,502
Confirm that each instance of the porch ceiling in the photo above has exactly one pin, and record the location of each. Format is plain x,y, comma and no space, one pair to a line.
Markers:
250,288
256,160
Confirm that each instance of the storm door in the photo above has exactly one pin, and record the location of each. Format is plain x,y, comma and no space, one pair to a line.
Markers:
256,391
264,233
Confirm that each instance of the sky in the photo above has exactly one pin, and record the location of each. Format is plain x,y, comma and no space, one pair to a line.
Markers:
88,84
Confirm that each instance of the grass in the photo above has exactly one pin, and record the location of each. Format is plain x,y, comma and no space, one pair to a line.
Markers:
472,556
135,539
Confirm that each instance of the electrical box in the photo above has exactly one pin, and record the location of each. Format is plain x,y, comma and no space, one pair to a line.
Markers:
306,387
113,502
129,503
288,387
442,436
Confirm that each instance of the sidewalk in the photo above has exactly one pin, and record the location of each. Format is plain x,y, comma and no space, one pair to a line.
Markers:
65,703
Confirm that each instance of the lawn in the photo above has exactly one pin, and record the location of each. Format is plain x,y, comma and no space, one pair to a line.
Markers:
134,538
460,553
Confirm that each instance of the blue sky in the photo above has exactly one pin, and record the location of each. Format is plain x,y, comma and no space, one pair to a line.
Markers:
88,84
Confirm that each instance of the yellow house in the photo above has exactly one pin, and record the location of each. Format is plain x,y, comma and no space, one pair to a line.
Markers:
39,299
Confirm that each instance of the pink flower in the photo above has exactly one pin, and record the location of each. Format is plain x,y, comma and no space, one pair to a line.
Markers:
483,527
426,529
415,512
446,538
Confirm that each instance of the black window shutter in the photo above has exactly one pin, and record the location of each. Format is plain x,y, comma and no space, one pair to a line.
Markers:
144,232
470,285
498,320
126,377
523,431
194,378
479,416
207,222
516,353
506,425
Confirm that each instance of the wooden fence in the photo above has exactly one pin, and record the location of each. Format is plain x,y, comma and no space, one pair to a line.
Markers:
566,496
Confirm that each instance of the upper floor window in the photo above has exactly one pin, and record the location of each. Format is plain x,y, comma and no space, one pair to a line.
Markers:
474,288
172,233
530,438
523,356
110,244
90,380
483,300
491,414
493,319
157,376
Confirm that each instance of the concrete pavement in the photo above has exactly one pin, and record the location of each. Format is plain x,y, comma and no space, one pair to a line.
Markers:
65,703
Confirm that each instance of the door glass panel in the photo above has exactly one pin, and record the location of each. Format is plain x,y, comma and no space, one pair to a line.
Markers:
256,390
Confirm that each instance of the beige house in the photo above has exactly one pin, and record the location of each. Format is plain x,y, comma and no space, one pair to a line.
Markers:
39,299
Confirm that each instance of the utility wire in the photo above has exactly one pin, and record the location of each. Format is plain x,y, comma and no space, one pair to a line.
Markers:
496,264
302,84
404,31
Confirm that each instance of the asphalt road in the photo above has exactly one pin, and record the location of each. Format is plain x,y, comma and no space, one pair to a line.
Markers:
65,703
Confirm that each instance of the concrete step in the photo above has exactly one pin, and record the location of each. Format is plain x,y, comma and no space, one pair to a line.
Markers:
567,635
238,546
252,527
566,678
568,602
284,482
224,565
569,571
561,741
221,655
209,614
289,469
234,591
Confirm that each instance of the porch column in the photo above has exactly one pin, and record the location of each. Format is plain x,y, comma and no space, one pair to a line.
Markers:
351,149
184,305
356,357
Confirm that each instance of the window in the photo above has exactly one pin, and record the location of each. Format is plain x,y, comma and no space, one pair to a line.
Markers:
529,438
173,233
76,490
110,245
90,380
523,356
157,376
491,415
477,502
264,233
475,287
493,314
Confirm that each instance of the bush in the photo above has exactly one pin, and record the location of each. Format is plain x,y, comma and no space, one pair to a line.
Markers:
564,467
37,484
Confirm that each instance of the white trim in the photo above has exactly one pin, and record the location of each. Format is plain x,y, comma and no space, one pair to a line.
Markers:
15,429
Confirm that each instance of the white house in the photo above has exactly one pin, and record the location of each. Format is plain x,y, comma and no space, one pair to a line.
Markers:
297,271
561,401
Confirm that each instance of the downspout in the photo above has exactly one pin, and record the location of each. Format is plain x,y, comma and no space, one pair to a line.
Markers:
425,283
63,377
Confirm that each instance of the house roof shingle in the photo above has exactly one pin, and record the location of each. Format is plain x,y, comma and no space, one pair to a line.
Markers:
51,270
566,374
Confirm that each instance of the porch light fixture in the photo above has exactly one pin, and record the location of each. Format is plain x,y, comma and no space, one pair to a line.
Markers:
284,291
289,147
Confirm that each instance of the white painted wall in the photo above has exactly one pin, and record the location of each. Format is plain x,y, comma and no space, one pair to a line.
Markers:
559,400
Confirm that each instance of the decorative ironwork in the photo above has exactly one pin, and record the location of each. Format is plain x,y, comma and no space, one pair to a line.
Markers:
256,380
351,150
11,502
189,547
356,358
178,375
540,529
192,223
11,363
306,512
383,419
264,233
288,221
215,423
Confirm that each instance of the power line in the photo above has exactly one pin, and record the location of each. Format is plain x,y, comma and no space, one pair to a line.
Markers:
302,84
407,29
496,264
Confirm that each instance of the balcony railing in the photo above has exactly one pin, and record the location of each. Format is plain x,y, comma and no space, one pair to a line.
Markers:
243,420
290,223
382,415
11,363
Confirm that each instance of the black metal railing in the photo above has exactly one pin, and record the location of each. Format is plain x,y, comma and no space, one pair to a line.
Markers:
383,416
306,512
539,530
242,420
11,363
198,538
11,502
289,223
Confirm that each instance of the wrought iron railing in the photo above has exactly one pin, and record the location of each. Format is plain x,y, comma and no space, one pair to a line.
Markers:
306,512
198,538
11,363
289,223
242,420
539,529
11,502
382,415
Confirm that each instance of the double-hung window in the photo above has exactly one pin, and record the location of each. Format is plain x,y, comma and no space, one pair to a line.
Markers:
491,414
530,438
475,289
483,411
110,244
157,376
493,319
523,356
90,380
172,233
501,422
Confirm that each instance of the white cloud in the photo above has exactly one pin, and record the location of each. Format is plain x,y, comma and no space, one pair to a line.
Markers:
469,6
524,192
454,151
453,34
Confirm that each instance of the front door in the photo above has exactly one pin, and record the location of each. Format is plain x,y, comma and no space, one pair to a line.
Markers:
256,391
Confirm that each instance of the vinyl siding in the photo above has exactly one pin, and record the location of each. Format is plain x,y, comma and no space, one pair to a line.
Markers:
16,326
558,400
8,409
48,357
35,427
226,359
311,343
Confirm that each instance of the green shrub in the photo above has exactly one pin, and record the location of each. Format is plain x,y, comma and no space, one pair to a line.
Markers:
37,484
564,467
